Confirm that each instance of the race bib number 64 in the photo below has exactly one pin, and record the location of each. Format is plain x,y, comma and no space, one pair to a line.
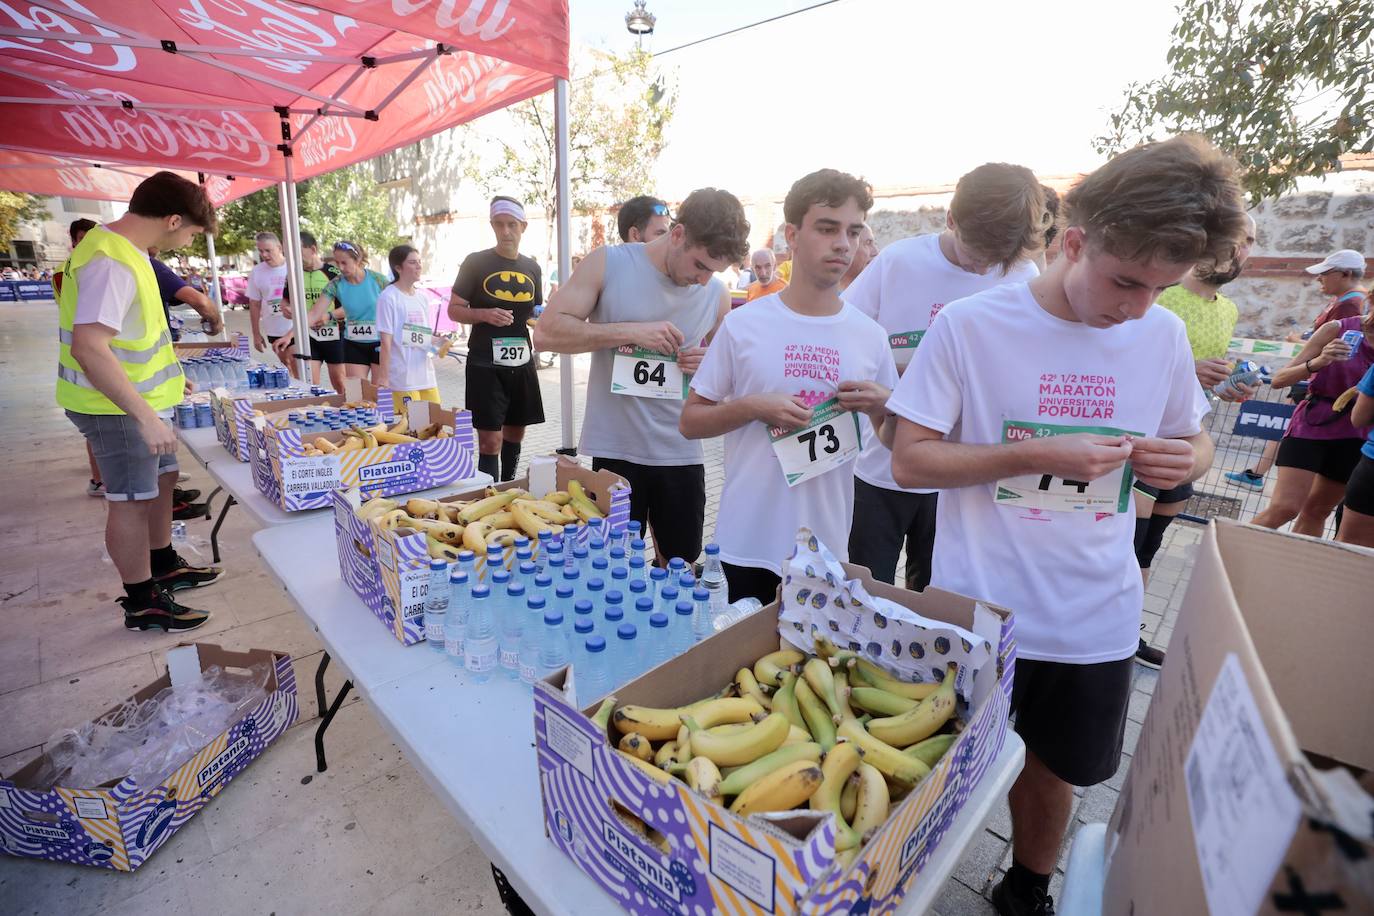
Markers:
1110,494
827,442
644,373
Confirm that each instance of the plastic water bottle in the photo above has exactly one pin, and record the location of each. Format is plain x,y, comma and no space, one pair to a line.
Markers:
553,652
436,604
573,580
530,642
611,619
543,587
644,607
627,658
676,567
594,591
596,531
480,645
524,555
686,583
637,550
584,610
600,568
455,624
633,530
736,612
467,562
713,580
660,647
667,600
680,629
541,554
1245,373
507,621
596,544
526,574
617,556
582,560
620,578
658,578
593,678
583,629
701,614
563,599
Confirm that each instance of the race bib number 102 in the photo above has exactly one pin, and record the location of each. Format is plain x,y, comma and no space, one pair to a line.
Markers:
827,442
1110,494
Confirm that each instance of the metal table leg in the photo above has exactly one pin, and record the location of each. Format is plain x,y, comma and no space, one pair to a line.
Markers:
326,715
210,499
513,902
214,532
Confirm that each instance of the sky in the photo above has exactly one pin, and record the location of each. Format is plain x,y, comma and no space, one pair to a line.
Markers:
901,92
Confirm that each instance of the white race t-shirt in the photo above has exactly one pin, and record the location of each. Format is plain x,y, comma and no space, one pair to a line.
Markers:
265,285
1070,577
105,294
768,348
903,290
410,368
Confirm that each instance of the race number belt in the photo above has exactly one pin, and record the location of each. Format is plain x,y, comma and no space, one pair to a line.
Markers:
325,332
1109,494
827,442
642,373
510,351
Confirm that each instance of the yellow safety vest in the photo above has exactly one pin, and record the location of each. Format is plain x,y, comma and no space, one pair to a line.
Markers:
148,361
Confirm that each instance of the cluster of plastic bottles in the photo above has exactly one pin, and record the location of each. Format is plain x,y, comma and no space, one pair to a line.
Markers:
329,419
527,611
237,373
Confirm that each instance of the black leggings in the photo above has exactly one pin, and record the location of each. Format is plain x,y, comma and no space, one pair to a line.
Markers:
751,582
1149,535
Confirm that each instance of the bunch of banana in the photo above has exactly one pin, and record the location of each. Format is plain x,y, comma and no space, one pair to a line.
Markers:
784,734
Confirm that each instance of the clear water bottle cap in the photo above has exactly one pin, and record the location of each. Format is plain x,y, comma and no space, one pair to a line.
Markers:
536,603
465,556
480,591
564,592
626,631
596,584
712,550
523,553
614,596
571,572
596,644
553,619
598,543
645,605
545,535
580,552
583,607
687,582
527,568
658,620
522,542
683,609
634,527
636,562
701,594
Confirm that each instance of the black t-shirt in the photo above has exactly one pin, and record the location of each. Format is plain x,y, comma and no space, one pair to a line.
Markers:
488,281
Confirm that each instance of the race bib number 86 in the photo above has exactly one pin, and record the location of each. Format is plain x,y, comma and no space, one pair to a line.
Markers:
827,442
1110,494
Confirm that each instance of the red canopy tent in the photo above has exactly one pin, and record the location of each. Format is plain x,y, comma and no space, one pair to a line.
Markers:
264,91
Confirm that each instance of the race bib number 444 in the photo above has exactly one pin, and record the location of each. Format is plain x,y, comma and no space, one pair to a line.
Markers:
827,442
644,373
361,331
1110,494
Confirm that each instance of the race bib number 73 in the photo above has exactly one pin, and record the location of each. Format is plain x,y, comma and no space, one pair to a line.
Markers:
827,442
1110,494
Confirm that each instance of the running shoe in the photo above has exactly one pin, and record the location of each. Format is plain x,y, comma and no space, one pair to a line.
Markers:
1148,655
95,488
162,613
184,496
184,575
1246,478
1037,903
184,512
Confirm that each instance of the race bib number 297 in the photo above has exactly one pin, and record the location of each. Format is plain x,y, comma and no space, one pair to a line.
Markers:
1109,494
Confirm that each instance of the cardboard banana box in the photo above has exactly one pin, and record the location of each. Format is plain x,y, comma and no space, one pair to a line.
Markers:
389,568
662,848
239,347
234,413
119,825
295,480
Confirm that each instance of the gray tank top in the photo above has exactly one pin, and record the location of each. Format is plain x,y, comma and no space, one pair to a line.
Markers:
642,430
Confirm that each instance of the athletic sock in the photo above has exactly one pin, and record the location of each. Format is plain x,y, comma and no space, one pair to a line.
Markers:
1022,881
510,457
489,464
141,592
163,559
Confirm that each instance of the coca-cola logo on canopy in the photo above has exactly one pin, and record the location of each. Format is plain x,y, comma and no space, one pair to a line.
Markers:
469,17
269,26
111,58
329,136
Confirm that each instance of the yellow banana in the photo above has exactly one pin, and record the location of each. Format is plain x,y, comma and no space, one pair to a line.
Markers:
923,721
637,744
664,724
325,445
391,519
449,513
839,764
783,789
785,701
400,425
438,550
817,717
665,755
849,800
526,520
447,532
703,776
475,537
893,763
822,682
558,497
503,537
429,432
487,506
422,508
387,437
1344,400
825,648
798,736
581,504
549,512
602,717
350,445
880,702
375,508
872,802
877,677
743,777
648,769
769,669
932,749
742,747
748,686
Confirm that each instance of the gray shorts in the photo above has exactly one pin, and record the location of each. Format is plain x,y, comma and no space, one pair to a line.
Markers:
129,470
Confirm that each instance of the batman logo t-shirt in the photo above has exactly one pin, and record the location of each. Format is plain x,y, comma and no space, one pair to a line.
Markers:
486,281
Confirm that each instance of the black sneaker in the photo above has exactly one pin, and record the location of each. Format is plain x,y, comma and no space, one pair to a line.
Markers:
184,496
1148,655
162,613
1038,903
184,575
185,512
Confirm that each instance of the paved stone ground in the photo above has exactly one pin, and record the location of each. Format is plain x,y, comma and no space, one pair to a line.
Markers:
366,837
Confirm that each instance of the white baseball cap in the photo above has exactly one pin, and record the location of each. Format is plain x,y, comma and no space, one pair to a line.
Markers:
1345,259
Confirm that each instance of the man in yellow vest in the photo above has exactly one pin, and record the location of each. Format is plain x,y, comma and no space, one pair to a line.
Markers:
119,379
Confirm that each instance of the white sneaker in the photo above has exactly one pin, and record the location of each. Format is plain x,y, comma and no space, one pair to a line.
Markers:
95,488
183,477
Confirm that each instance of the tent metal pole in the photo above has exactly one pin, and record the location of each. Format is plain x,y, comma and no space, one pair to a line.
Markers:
215,296
564,220
295,275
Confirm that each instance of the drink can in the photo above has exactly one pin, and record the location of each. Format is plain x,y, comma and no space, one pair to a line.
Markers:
1352,340
282,379
204,415
186,416
255,377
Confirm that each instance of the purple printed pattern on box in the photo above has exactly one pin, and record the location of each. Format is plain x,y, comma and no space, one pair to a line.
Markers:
359,548
120,827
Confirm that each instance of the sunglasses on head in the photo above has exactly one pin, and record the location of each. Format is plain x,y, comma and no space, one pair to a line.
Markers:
661,210
345,246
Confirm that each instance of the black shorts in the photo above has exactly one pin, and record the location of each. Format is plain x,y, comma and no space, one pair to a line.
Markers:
884,520
328,351
1359,492
503,396
669,499
1073,717
271,340
751,582
356,353
1179,494
1333,459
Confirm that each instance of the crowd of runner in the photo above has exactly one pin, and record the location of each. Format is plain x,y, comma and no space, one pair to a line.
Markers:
1025,432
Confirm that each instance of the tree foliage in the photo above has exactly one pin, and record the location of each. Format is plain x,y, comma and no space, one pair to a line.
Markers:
618,115
17,209
1286,86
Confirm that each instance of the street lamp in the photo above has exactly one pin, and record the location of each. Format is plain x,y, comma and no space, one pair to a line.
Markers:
640,22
